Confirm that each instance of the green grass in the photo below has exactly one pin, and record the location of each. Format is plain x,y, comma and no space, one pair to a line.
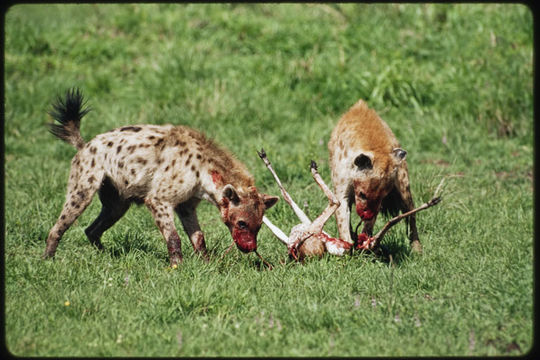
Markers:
454,82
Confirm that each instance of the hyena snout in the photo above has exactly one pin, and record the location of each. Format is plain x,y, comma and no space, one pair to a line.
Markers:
245,240
367,208
243,212
244,227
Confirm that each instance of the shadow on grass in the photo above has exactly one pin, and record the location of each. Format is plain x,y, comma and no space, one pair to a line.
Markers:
133,243
395,252
392,251
130,243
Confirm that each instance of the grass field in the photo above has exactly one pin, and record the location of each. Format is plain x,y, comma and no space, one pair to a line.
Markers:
454,82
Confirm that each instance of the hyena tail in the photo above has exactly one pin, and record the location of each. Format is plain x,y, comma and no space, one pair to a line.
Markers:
68,112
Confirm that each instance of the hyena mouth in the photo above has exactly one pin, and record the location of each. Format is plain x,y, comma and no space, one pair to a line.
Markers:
244,240
365,214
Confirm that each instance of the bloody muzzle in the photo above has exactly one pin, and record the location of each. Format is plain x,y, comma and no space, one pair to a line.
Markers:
244,240
365,214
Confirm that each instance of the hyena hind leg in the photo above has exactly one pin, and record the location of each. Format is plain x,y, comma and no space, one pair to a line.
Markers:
113,208
79,196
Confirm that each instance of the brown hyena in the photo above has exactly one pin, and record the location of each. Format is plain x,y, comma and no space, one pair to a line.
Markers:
168,168
369,169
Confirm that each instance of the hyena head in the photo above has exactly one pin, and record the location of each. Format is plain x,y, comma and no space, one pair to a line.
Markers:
376,178
242,212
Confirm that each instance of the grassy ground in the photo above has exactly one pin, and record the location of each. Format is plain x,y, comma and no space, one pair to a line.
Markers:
454,82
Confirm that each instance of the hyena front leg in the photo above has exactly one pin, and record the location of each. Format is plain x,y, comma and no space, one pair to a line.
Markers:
368,226
188,216
113,208
343,192
80,191
163,214
404,189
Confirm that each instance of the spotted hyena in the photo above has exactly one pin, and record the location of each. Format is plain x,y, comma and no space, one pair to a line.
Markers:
369,169
168,168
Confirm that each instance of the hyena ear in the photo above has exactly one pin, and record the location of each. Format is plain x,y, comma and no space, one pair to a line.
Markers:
399,154
230,193
269,200
363,162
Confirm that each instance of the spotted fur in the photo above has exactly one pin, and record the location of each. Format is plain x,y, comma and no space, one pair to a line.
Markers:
168,168
368,169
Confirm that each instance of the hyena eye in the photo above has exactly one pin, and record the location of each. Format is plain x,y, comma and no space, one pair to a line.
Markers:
362,196
242,224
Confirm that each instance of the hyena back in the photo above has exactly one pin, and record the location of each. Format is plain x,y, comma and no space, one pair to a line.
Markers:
168,168
369,169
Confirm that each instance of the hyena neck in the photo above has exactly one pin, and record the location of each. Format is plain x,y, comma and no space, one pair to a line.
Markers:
216,166
216,179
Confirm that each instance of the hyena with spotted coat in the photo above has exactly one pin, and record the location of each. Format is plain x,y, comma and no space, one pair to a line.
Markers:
168,168
369,169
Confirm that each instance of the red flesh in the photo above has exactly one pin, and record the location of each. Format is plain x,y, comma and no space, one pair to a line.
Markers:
365,214
364,242
338,242
244,240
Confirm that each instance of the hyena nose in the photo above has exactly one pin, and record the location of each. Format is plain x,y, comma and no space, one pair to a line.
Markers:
242,225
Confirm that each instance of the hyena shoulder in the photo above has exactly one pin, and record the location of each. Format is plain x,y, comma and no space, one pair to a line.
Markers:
361,129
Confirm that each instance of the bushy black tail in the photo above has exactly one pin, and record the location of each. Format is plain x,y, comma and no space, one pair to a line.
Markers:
68,113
